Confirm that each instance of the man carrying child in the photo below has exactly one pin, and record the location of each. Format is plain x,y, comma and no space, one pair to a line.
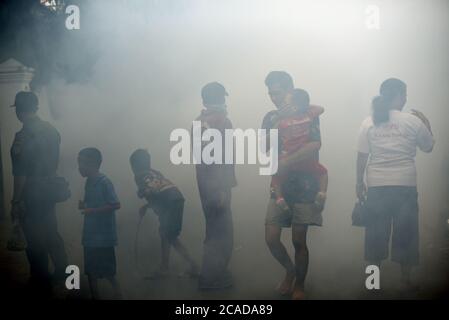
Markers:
298,189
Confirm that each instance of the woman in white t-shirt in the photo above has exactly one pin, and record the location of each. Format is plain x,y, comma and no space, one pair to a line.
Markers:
386,158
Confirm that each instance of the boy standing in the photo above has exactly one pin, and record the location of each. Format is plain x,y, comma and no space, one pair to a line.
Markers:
99,230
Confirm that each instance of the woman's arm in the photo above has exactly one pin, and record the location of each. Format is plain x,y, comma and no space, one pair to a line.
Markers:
362,160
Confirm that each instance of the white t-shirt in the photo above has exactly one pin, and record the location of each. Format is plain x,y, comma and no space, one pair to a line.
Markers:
392,148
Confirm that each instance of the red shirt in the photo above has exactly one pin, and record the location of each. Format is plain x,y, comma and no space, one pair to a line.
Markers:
295,132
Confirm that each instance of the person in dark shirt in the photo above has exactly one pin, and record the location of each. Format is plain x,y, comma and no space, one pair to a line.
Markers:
99,229
215,182
168,203
35,157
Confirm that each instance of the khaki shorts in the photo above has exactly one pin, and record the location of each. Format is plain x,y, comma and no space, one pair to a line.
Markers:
302,213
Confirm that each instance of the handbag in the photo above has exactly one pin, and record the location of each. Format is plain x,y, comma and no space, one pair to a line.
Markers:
359,214
58,189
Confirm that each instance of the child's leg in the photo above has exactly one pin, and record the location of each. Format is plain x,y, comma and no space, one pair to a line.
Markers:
299,239
115,287
93,285
165,253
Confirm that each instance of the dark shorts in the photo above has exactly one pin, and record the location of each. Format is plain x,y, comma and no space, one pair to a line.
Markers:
170,219
299,214
99,262
392,208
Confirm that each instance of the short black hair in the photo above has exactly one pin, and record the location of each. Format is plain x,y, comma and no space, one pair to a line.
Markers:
93,155
213,93
282,78
301,98
140,159
392,87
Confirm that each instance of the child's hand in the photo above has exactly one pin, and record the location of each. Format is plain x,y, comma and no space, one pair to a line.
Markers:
81,205
281,203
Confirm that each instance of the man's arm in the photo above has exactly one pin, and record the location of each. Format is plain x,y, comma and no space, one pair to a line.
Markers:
20,165
270,121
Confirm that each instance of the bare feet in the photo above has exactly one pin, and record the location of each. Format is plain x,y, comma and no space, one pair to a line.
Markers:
286,286
298,293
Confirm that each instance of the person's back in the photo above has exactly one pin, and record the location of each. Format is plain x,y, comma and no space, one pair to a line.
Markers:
36,149
386,158
392,148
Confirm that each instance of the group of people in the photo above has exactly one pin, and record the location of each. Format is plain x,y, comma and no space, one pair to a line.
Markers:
386,185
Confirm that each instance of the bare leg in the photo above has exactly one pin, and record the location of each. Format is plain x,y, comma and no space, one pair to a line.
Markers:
165,260
277,249
299,238
116,287
93,285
